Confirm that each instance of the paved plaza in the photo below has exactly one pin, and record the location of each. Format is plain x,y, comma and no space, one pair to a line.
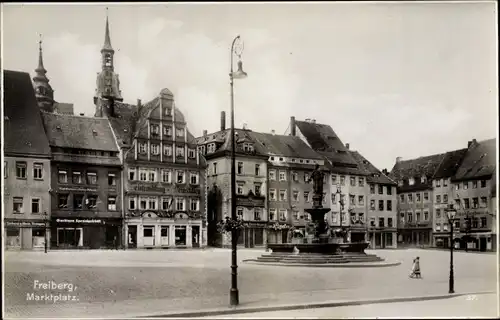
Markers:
130,283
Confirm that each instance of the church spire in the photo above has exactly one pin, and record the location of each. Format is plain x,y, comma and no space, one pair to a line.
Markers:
107,39
43,90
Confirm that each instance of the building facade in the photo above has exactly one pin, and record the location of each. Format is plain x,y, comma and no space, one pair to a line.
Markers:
27,175
86,186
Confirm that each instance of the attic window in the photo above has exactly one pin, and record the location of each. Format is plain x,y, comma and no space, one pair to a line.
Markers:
125,130
307,161
94,132
293,160
423,179
281,159
59,128
272,158
365,162
301,161
411,181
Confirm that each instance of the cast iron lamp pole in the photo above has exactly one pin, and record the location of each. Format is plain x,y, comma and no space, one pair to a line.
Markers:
46,227
239,74
451,217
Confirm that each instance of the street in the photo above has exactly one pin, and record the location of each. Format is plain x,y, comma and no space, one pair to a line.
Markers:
122,283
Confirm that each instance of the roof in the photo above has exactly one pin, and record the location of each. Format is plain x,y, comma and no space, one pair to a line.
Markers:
286,146
63,108
479,162
322,138
67,131
450,164
416,169
374,174
24,131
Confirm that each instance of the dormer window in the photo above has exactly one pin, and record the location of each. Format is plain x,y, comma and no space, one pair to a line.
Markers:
247,147
143,147
191,153
400,183
211,148
155,129
201,149
168,111
179,132
180,152
411,181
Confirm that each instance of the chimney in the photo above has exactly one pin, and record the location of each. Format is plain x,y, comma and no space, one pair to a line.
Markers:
139,105
272,131
245,126
347,146
313,120
205,133
308,120
398,159
223,121
292,126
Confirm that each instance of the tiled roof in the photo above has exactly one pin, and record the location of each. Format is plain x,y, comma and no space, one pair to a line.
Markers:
24,131
322,138
480,161
287,146
223,141
374,174
67,131
450,164
416,168
63,108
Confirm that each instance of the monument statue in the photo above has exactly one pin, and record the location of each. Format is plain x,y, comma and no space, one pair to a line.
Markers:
317,176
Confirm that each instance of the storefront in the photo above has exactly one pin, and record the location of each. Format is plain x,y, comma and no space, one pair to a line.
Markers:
86,233
25,234
152,231
382,238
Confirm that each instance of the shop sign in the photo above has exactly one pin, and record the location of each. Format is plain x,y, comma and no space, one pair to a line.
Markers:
149,188
25,224
76,220
188,189
77,189
247,202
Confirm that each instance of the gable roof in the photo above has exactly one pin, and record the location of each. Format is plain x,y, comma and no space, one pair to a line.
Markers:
325,141
450,164
479,162
24,131
374,174
286,146
416,168
67,131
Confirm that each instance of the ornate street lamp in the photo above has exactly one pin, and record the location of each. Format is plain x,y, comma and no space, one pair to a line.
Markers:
451,212
236,49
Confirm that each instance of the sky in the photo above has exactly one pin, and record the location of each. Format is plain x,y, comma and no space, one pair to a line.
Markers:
392,79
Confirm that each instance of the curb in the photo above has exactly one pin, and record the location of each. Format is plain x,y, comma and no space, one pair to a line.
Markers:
313,305
326,265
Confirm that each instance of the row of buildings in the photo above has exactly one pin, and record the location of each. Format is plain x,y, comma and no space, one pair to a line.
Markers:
133,176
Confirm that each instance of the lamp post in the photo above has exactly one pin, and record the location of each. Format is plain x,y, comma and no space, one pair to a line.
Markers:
239,74
451,212
45,233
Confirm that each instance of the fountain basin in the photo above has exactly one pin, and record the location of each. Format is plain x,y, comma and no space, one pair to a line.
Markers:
320,248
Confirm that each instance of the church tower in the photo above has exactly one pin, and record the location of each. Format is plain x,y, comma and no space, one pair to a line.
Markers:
43,91
108,85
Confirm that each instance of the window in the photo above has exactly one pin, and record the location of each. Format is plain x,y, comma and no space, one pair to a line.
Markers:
166,176
152,203
361,200
353,181
154,129
381,205
179,151
438,182
410,216
295,195
195,204
483,222
194,178
78,201
282,214
438,213
179,132
191,153
483,183
295,176
445,227
389,222
334,179
257,189
18,205
77,177
410,197
211,148
484,202
295,215
272,174
62,176
282,195
257,214
132,205
282,176
333,198
389,190
239,188
240,168
352,199
372,189
91,178
38,171
466,203
272,194
342,180
418,197
257,169
381,222
152,175
21,170
143,147
380,189
306,196
445,198
272,214
143,203
111,203
426,215
5,169
215,167
372,204
466,185
474,184
411,181
62,200
445,182
131,174
166,203
372,222
167,150
155,149
306,178
457,203
361,181
180,177
402,198
426,196
438,198
389,205
111,179
457,187
167,130
400,183
143,175
239,213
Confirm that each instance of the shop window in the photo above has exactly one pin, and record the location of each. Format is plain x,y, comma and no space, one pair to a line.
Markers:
21,169
38,237
38,171
78,201
180,235
13,237
69,237
18,205
62,200
35,205
148,232
111,179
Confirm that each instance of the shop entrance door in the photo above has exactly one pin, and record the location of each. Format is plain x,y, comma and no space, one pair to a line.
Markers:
132,237
195,236
149,236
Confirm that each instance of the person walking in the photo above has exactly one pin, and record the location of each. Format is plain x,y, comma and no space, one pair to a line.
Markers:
415,270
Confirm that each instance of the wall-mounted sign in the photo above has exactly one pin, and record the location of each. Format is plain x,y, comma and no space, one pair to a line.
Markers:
250,202
188,189
149,188
76,220
77,189
24,224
